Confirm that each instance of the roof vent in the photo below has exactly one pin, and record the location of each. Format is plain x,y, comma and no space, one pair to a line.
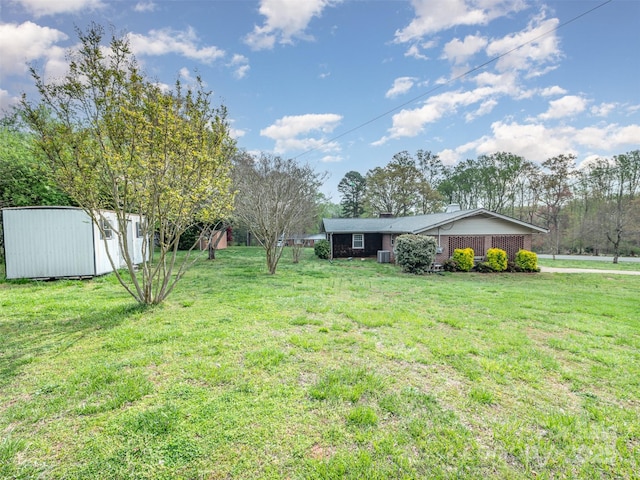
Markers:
452,207
386,215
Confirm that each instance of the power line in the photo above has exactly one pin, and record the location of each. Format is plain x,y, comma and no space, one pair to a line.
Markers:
453,79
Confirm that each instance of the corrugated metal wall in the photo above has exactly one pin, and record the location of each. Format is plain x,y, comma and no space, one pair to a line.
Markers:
47,242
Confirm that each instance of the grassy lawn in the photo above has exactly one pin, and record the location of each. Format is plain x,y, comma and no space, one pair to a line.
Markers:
342,370
590,264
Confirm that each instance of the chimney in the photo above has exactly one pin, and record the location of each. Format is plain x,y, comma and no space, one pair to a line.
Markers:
452,207
386,215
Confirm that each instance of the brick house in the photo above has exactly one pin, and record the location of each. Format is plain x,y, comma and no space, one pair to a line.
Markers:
479,229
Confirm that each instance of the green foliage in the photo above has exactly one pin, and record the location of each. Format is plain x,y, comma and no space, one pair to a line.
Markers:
450,265
464,258
415,253
116,140
497,259
484,267
352,188
25,177
322,249
527,261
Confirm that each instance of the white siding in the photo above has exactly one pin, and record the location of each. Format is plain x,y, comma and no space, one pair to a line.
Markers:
480,226
47,242
103,265
54,242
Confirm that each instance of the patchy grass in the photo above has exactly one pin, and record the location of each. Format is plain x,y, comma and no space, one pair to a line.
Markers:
325,370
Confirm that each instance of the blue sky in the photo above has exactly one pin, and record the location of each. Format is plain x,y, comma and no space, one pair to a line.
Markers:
344,85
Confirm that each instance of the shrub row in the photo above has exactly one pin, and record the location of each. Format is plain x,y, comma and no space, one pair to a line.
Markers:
497,261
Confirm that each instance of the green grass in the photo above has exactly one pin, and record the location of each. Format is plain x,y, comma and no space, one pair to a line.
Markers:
342,370
590,264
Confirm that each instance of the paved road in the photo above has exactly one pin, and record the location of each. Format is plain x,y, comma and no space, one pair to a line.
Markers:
590,257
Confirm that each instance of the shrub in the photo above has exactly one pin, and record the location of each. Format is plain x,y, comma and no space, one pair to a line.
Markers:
464,258
415,253
484,267
450,265
527,261
497,259
322,249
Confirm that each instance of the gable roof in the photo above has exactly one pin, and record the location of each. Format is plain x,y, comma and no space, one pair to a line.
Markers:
414,224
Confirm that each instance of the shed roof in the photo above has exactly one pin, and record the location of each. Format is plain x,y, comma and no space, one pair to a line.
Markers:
413,224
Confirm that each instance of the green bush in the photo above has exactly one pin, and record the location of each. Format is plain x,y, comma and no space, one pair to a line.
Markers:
527,261
415,253
450,265
484,267
464,258
322,249
497,259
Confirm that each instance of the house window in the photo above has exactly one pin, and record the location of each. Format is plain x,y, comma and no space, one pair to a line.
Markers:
106,230
358,240
138,230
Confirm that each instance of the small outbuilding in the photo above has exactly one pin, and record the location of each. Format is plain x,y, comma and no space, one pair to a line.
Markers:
63,242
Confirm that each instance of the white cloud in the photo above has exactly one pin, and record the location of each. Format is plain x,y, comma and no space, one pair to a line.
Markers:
433,16
527,49
145,6
286,130
537,142
551,91
40,8
285,20
485,108
240,65
25,43
166,40
237,133
331,159
604,109
458,51
411,122
6,101
416,49
448,156
564,107
185,74
401,85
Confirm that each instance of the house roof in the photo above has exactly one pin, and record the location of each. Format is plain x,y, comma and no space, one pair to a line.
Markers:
413,224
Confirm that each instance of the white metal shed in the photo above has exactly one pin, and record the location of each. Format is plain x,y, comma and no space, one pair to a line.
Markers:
63,242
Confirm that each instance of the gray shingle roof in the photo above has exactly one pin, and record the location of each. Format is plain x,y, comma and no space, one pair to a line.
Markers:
413,224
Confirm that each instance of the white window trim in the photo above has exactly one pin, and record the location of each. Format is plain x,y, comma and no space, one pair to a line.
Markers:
353,241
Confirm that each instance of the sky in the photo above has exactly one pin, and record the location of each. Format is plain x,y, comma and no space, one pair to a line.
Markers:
345,85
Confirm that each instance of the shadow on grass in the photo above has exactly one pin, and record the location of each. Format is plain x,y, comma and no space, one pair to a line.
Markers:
23,341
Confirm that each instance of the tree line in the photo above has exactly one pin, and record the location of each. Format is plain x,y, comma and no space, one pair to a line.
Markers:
593,208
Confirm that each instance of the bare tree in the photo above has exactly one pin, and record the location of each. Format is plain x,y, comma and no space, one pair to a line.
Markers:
276,198
553,188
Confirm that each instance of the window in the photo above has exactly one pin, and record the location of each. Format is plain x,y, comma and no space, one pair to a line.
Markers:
107,230
138,230
358,240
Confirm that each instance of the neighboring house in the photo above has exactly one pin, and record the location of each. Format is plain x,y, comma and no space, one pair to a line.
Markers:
479,229
63,242
304,240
